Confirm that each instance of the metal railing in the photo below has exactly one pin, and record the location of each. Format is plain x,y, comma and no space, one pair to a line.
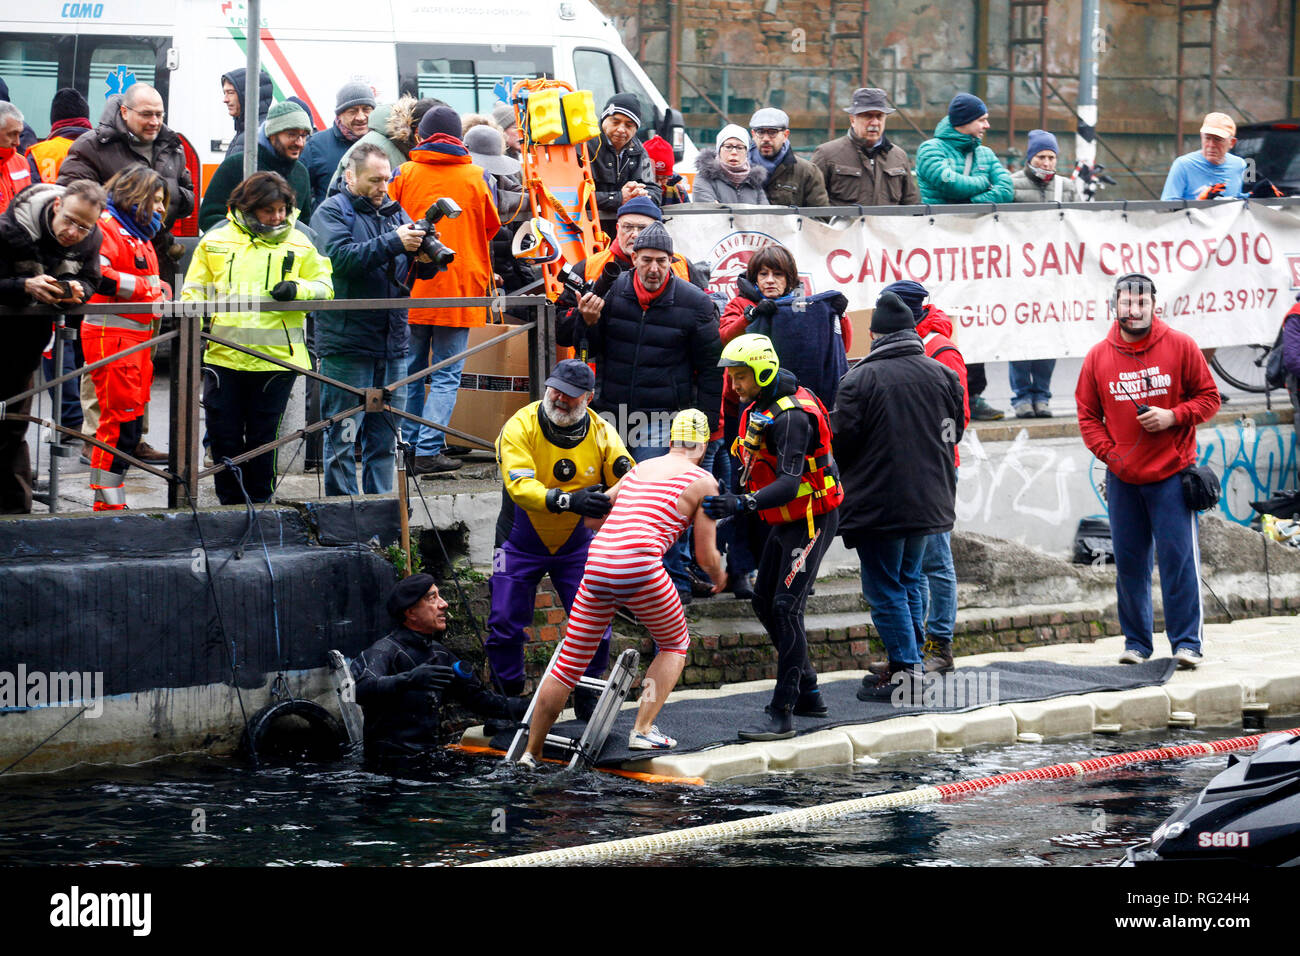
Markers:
183,471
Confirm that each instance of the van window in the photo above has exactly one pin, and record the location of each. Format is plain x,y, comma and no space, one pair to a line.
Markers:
465,76
37,65
605,75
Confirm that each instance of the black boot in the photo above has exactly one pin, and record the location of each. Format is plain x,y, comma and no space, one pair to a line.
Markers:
584,702
777,726
810,704
901,686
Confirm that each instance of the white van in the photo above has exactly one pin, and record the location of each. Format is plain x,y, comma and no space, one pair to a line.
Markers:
456,50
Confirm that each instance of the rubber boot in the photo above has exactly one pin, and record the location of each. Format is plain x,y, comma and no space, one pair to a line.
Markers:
777,726
811,704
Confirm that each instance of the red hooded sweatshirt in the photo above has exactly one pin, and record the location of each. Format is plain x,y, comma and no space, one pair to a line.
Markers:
935,329
1164,369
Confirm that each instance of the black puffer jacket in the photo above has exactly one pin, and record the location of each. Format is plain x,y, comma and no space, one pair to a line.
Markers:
402,719
897,416
611,169
105,150
661,360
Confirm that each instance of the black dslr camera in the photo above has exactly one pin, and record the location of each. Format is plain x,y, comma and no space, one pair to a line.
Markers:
579,286
442,256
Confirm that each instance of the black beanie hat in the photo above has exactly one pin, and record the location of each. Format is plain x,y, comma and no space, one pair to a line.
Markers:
891,315
68,104
407,592
440,119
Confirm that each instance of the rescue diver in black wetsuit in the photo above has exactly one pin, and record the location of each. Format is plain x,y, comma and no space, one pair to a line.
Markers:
793,486
403,679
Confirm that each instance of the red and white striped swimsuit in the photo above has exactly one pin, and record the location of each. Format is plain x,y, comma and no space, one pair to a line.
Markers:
625,566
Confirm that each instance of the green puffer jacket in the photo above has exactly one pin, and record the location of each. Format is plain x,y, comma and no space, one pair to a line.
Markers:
944,176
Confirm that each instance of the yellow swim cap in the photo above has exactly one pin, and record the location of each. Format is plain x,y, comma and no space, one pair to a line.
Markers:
690,425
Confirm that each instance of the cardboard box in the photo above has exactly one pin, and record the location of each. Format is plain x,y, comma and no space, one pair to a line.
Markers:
493,384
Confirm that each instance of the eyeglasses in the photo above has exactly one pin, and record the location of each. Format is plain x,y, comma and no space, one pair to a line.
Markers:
732,148
296,134
159,115
767,132
79,226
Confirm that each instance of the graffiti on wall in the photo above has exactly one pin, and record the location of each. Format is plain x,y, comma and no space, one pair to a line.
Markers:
1252,462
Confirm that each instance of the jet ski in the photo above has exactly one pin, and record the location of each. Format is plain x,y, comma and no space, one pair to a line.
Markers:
1249,814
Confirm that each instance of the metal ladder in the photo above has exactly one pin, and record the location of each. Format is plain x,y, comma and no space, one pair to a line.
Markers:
613,692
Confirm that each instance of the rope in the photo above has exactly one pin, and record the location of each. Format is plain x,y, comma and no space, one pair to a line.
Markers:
796,819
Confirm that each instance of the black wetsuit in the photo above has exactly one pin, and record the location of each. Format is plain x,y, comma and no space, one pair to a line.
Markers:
781,590
402,719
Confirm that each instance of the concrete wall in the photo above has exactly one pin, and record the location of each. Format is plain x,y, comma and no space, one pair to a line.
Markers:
1035,491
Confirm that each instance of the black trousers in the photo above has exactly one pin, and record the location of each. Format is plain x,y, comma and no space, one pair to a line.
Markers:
780,593
18,361
243,412
976,379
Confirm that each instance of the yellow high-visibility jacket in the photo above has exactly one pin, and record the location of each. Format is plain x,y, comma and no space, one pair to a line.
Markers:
234,264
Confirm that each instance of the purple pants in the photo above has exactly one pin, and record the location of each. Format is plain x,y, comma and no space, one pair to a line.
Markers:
513,587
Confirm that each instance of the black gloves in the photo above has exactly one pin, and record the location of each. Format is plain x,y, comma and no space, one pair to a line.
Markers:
724,506
431,676
763,309
285,291
590,502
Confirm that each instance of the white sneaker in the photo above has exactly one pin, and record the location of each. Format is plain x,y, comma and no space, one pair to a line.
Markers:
1130,656
654,740
1188,659
528,761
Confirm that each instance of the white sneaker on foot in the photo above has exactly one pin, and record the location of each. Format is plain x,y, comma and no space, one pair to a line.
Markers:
653,740
1130,656
1188,659
528,761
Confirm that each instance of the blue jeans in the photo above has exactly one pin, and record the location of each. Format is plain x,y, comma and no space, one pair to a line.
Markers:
651,441
939,586
431,344
891,583
377,431
1142,516
1031,381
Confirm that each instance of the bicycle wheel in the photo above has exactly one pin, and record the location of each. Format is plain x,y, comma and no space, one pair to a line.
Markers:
1242,366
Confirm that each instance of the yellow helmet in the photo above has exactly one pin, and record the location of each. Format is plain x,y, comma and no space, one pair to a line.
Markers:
757,352
690,425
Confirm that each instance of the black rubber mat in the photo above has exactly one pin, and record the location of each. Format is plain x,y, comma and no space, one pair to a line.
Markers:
702,724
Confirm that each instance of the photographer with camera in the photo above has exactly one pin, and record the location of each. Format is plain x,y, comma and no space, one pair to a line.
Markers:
259,254
440,167
374,249
405,678
49,254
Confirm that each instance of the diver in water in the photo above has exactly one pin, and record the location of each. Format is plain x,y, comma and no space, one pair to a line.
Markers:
404,678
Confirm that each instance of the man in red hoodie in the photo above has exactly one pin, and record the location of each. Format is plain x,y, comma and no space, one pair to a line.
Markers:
1141,394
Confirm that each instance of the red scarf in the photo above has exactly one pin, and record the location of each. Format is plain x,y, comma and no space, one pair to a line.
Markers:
643,296
618,252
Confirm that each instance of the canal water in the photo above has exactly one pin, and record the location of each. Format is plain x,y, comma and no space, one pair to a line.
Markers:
192,811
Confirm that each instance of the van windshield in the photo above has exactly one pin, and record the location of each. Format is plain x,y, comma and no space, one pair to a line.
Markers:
1275,152
465,76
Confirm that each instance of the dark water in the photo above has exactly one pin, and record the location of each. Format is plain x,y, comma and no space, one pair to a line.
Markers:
476,808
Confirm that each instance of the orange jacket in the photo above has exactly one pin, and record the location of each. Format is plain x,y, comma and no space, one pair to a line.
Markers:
15,176
441,167
48,155
123,278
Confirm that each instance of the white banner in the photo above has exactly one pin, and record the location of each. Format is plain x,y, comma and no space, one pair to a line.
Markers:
1036,284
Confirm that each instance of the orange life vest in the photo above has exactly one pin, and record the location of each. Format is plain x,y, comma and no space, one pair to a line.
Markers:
596,264
820,490
15,176
49,155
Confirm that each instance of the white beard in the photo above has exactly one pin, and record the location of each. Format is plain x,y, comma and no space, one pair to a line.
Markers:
564,419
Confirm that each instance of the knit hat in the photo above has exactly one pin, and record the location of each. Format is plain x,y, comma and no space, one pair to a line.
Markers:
283,116
661,154
964,108
641,206
1039,140
354,94
623,103
303,103
912,293
68,104
440,119
731,131
891,315
654,236
503,114
407,593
